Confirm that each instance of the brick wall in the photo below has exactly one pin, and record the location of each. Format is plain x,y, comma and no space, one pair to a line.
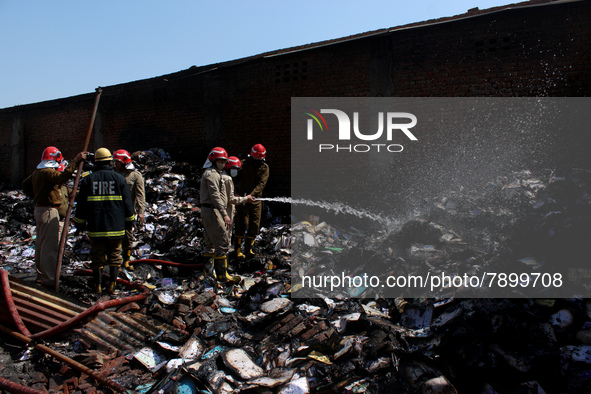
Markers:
525,51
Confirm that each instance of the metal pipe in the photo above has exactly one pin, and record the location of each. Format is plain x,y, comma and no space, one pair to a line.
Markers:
66,228
16,388
60,357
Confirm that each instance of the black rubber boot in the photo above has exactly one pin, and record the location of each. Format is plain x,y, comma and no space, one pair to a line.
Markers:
114,272
96,280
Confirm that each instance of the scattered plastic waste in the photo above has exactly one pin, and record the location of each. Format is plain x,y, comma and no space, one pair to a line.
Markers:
150,359
239,362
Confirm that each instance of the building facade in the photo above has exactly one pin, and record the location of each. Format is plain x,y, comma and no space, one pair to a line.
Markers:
536,48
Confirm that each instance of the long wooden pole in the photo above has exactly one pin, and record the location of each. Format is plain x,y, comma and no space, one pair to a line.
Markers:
66,228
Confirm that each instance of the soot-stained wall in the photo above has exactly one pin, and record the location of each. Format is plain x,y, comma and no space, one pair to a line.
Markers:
531,49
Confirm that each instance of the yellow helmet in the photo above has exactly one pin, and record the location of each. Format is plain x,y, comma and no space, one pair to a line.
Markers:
102,154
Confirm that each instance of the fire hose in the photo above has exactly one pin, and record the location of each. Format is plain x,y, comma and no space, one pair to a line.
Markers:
166,262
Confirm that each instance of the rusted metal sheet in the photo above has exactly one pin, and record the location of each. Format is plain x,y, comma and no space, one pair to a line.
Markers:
126,333
41,309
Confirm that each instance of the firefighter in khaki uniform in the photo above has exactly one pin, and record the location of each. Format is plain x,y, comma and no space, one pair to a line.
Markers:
214,215
135,181
231,171
253,179
104,208
43,186
65,192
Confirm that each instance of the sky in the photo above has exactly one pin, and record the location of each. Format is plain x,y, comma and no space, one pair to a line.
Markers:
63,48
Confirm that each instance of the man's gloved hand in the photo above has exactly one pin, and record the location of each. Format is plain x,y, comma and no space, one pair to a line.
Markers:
130,225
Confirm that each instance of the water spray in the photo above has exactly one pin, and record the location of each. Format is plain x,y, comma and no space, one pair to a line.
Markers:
337,207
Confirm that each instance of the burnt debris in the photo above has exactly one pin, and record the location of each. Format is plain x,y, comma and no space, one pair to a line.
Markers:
182,333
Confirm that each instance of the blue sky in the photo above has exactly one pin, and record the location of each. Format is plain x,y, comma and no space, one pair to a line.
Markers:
63,48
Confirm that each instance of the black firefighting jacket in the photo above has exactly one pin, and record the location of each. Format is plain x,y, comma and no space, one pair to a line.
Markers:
104,203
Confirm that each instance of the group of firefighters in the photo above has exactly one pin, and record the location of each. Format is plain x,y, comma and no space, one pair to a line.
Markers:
218,201
111,199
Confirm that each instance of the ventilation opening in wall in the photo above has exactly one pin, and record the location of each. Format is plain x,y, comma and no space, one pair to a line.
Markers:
288,72
492,44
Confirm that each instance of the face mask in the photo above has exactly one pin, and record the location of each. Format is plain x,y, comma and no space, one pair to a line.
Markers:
233,172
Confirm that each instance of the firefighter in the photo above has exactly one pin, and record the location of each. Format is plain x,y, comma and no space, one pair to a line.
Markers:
65,192
135,181
43,186
231,170
105,210
214,215
253,179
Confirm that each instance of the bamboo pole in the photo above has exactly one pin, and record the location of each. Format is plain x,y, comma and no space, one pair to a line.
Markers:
66,228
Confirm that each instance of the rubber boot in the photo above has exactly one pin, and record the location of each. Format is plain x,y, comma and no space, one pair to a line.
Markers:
96,280
249,246
208,265
126,258
221,270
238,248
114,271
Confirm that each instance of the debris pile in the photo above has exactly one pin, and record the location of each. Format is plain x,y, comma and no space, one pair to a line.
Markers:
518,223
193,335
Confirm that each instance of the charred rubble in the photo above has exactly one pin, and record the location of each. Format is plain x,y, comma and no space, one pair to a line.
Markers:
201,336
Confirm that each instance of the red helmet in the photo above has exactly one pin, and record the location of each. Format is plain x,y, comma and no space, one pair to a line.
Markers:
233,162
217,153
62,166
258,152
123,156
52,153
